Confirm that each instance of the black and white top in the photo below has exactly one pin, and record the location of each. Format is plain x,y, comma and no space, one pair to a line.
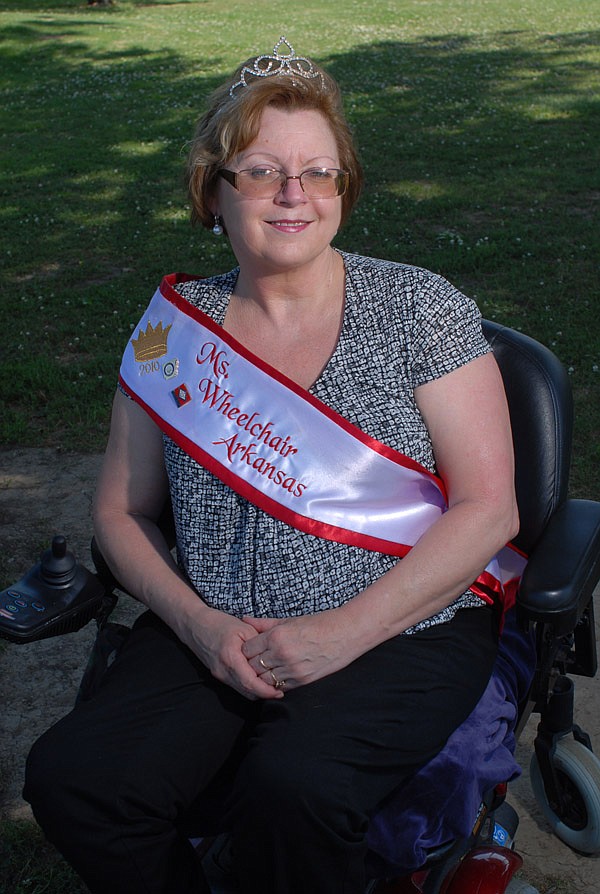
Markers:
403,326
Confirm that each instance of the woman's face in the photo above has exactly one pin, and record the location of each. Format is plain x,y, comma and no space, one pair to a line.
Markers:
289,230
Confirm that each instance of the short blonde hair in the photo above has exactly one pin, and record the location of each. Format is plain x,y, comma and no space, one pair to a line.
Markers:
232,122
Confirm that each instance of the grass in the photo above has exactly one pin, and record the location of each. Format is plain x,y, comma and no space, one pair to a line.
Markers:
30,865
477,123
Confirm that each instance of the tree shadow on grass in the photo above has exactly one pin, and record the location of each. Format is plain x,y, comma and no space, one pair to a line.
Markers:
73,6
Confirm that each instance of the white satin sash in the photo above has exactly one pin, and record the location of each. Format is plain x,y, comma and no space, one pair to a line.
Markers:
277,445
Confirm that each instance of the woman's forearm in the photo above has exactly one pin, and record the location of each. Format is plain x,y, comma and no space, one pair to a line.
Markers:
138,556
441,566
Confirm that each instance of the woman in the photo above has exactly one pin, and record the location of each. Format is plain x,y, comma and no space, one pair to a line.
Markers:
288,658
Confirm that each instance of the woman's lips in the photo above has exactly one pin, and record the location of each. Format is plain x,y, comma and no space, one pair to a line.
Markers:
289,226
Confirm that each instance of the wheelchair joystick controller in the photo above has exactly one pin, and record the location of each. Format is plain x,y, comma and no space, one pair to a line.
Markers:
56,596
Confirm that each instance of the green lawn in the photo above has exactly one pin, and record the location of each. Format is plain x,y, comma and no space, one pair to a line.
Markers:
477,122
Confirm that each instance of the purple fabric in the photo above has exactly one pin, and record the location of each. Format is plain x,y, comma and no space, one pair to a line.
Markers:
440,803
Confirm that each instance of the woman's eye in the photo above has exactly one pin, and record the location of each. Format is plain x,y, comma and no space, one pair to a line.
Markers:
262,173
318,174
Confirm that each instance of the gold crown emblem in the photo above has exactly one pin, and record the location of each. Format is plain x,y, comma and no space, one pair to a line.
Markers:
152,343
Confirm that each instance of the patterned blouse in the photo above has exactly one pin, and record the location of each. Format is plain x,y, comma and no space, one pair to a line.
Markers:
402,326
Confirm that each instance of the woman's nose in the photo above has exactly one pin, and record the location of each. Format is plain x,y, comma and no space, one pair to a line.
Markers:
291,192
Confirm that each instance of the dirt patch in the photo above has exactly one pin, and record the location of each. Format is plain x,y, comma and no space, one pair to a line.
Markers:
44,492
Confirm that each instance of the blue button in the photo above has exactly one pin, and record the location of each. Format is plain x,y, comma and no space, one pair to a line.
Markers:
38,606
21,602
11,608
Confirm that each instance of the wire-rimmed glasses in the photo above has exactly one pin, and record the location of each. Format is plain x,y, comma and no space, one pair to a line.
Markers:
266,183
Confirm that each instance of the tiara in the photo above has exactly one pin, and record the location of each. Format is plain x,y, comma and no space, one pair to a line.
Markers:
280,63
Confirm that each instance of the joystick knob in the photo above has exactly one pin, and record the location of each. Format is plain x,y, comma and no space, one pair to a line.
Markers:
58,564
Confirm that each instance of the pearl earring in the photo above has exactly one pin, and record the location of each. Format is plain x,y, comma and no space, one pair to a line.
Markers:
218,227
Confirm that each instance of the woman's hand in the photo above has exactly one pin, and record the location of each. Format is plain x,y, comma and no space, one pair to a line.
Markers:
296,651
218,640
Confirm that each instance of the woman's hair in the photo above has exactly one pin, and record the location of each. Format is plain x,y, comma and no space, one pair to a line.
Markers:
232,122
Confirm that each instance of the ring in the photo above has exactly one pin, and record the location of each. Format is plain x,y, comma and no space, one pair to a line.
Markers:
262,664
278,684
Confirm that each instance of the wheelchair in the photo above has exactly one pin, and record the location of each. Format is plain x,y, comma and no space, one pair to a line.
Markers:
549,637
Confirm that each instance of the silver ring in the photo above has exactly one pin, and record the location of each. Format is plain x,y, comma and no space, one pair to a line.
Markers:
262,664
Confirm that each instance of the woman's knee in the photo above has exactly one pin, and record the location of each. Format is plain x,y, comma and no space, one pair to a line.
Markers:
59,780
44,787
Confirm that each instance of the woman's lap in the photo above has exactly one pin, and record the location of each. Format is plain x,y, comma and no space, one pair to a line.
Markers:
384,716
161,727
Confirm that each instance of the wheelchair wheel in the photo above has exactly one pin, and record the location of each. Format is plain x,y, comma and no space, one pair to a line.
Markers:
578,772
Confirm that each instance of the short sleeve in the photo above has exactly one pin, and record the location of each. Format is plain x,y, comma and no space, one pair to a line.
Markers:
447,330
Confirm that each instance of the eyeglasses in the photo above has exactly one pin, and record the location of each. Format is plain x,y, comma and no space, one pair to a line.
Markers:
266,183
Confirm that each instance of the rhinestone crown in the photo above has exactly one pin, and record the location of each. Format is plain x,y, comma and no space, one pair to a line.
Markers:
280,63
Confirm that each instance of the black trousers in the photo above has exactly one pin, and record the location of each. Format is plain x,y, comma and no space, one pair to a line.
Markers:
115,783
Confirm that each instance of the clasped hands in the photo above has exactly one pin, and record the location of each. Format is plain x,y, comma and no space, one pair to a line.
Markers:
262,658
289,652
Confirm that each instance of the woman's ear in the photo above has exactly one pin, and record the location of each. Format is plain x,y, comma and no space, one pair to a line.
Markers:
212,199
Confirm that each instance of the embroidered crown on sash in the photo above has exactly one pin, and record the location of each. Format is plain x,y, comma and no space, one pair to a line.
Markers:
152,343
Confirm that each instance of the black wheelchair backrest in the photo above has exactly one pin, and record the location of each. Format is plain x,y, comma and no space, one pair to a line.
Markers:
541,412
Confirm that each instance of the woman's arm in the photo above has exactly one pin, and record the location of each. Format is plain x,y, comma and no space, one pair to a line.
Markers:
132,490
467,418
468,422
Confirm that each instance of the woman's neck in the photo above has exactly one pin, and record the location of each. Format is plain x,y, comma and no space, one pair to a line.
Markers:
292,295
292,323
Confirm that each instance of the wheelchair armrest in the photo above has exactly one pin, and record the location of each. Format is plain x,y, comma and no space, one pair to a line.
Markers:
564,567
102,570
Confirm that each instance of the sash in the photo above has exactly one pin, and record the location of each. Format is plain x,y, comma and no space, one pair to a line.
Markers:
280,447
